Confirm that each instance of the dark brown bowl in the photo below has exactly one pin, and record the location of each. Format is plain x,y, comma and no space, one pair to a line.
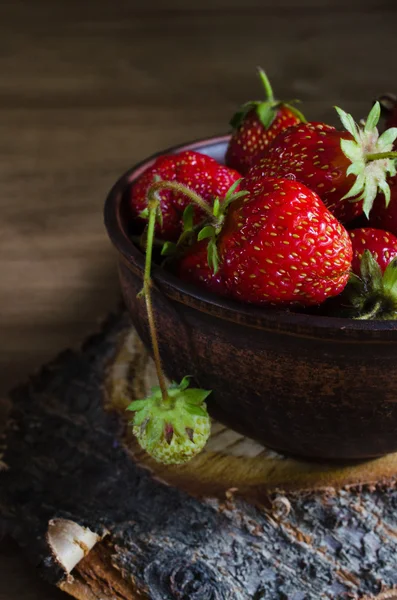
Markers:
311,386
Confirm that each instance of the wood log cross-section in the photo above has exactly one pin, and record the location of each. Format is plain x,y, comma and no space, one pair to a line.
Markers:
102,521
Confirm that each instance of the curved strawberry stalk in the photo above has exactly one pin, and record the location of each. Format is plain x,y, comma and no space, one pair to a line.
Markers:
371,155
172,424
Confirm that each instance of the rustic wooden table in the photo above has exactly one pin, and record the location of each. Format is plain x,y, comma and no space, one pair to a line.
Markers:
89,88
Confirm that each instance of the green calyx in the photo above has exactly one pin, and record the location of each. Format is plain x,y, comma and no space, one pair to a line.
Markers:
187,237
371,156
373,295
212,230
175,430
267,109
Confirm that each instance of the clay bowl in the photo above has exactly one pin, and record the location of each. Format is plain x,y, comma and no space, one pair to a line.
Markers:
310,386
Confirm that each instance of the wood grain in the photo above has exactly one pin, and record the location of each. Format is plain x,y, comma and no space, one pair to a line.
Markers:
89,88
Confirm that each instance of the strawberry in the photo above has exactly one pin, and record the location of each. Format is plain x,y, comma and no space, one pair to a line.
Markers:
255,125
340,166
172,423
176,433
281,245
381,244
199,172
193,267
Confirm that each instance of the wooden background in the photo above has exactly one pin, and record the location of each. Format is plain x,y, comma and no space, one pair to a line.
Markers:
88,88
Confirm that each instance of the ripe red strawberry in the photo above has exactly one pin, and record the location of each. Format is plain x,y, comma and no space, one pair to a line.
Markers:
199,172
193,267
381,244
281,245
255,125
339,166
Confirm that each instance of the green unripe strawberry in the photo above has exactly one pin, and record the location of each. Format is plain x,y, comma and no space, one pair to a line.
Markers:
174,431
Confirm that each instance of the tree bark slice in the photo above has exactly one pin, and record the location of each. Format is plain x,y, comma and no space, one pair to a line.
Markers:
99,525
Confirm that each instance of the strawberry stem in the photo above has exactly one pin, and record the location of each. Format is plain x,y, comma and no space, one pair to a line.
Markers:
380,155
182,189
153,206
266,84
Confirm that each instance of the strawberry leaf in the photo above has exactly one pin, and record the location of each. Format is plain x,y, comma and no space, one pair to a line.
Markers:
390,277
137,405
238,118
187,218
388,137
354,153
195,395
370,270
212,256
233,198
295,111
154,429
184,383
207,232
180,423
358,185
168,249
266,113
216,207
144,214
140,417
196,410
369,194
385,189
373,118
348,123
233,188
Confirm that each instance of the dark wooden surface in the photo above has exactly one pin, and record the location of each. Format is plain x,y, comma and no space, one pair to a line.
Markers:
89,88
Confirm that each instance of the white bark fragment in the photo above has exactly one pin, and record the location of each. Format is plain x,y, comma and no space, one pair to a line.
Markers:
70,542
